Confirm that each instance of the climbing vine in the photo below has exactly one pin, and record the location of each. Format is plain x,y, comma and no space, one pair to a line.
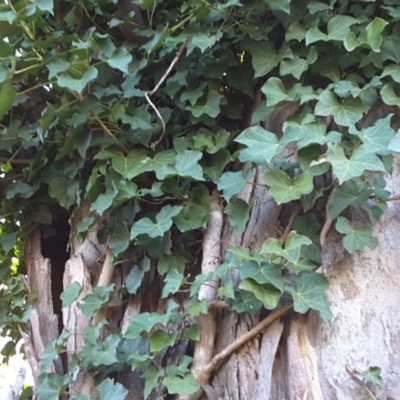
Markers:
159,117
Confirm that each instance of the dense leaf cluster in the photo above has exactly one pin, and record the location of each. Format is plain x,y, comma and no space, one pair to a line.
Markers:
79,121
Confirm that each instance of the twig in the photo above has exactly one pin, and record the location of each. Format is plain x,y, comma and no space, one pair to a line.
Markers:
360,382
288,228
218,304
148,94
239,342
328,221
17,161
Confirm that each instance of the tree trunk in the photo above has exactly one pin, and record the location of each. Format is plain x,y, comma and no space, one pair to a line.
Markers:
296,357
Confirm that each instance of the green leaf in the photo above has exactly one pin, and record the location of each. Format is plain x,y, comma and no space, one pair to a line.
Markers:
267,294
377,137
8,241
107,354
134,279
173,281
309,293
246,302
238,212
49,355
338,28
56,66
77,85
261,144
45,5
281,5
162,224
284,189
389,97
346,113
264,272
306,134
373,375
182,386
198,307
359,161
110,390
50,388
94,301
70,294
120,59
119,240
187,164
264,58
192,333
291,250
212,142
210,108
347,194
356,238
232,183
144,322
103,202
160,339
7,95
203,41
140,118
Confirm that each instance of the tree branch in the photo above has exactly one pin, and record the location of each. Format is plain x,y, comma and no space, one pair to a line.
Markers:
148,94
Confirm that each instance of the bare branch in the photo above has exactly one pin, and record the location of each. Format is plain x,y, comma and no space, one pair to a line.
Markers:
288,227
160,82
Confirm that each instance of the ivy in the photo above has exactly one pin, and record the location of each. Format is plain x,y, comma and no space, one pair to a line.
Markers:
146,121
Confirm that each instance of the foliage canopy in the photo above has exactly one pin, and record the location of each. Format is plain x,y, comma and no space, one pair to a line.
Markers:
144,121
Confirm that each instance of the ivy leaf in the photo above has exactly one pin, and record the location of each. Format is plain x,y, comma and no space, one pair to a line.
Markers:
187,164
103,202
134,278
338,28
373,375
359,161
51,387
264,272
132,165
144,322
160,339
110,390
120,59
281,5
173,281
347,194
198,281
210,108
264,57
262,145
94,301
238,212
154,229
49,355
377,137
306,134
56,66
119,240
45,5
389,97
283,189
139,119
346,113
7,95
232,183
356,238
77,85
267,294
291,250
107,354
212,142
309,293
70,294
245,302
203,41
182,386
